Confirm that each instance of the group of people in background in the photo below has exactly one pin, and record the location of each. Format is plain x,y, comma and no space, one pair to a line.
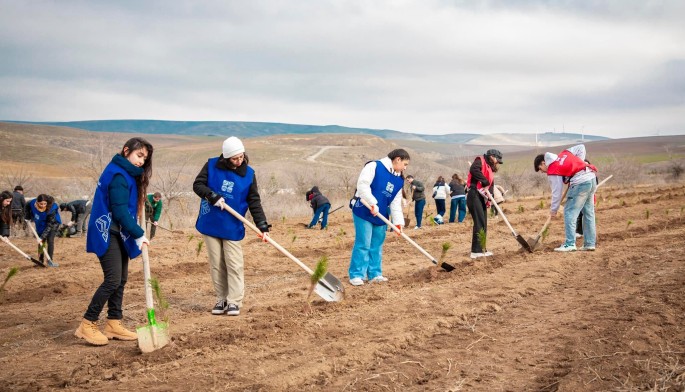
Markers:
227,188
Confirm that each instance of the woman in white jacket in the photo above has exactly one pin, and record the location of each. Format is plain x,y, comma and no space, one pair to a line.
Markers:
440,192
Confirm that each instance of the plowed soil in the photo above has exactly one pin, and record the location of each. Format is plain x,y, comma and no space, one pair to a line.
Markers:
584,321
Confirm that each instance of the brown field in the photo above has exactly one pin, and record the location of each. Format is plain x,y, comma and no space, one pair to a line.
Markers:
586,321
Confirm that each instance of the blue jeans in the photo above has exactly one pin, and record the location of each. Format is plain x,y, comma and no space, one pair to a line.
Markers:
418,211
368,247
580,198
322,209
458,203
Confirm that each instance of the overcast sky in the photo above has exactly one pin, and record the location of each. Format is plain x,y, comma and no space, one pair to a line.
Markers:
612,68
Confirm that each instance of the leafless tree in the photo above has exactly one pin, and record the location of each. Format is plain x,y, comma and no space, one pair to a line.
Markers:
13,177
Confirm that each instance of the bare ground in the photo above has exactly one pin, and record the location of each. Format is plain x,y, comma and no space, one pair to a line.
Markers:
605,320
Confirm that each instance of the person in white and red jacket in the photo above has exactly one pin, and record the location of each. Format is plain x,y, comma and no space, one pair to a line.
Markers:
570,168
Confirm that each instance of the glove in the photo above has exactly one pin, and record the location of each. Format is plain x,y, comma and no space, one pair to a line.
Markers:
154,223
215,199
40,242
142,240
399,227
264,236
374,209
70,224
483,192
263,227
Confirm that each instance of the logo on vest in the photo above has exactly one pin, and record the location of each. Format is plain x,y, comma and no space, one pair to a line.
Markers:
389,187
561,159
36,217
204,207
227,186
102,223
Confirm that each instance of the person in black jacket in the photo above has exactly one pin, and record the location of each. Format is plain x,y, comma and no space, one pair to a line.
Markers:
480,180
5,213
418,197
80,211
320,205
228,180
457,198
18,206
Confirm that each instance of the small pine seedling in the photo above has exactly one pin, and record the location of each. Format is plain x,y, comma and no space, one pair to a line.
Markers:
623,203
159,297
445,247
545,233
646,214
542,204
283,219
521,209
190,237
13,271
482,239
318,274
199,247
629,223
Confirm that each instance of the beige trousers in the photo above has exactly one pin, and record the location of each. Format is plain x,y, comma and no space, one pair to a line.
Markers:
226,268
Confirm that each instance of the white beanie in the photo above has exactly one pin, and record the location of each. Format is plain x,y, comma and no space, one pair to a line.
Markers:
232,146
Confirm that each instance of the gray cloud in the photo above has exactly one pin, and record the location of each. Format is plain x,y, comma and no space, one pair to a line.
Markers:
423,66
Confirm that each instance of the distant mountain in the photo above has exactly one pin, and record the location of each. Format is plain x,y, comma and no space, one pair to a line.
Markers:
256,129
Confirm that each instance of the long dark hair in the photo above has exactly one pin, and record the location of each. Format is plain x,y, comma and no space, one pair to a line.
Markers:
6,212
455,176
142,181
47,198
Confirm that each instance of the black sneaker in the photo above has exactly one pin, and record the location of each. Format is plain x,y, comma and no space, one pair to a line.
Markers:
220,307
233,310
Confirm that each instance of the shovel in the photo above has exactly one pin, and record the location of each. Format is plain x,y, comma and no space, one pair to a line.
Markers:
518,237
329,287
27,257
447,267
533,242
45,251
169,230
154,335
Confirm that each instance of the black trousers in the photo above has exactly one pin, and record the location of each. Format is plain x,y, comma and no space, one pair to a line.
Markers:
51,246
114,265
478,212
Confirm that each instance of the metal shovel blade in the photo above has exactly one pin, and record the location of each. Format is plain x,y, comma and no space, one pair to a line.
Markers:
446,267
37,262
152,337
524,243
330,288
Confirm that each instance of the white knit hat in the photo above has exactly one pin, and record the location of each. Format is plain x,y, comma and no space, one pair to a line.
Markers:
232,147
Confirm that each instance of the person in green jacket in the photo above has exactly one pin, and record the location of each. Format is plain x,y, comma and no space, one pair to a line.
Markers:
153,210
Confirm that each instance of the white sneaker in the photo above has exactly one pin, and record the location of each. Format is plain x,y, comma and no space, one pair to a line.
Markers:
356,281
587,248
578,235
416,227
477,255
379,279
487,253
566,248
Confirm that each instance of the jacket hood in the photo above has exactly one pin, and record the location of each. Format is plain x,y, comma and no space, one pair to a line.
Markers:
550,157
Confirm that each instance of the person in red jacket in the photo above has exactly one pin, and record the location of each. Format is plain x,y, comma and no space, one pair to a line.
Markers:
570,168
481,178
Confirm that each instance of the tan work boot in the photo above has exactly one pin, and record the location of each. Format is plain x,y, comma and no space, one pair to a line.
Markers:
89,331
114,329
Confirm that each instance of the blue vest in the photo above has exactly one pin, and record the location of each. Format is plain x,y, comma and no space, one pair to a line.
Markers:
41,217
214,222
98,235
384,187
